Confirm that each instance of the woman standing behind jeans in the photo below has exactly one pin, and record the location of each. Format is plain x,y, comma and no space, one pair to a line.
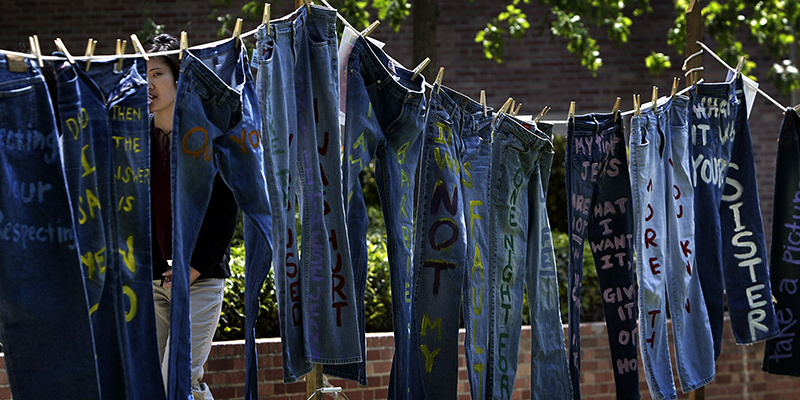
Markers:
209,263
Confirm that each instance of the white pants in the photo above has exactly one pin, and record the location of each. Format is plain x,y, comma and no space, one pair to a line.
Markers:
205,298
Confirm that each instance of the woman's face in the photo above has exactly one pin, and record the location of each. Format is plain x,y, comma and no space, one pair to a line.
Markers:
161,85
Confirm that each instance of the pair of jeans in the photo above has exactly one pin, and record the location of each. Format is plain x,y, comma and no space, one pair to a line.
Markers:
731,252
41,281
599,196
217,130
456,153
522,257
298,82
385,117
105,143
779,357
664,242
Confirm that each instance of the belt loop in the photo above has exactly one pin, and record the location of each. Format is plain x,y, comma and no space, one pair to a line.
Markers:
596,124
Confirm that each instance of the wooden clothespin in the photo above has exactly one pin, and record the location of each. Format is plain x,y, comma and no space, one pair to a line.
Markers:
505,106
370,28
739,66
120,51
90,45
308,6
541,114
420,67
615,110
675,82
439,77
237,31
483,102
184,44
516,110
265,18
571,113
637,110
655,98
797,108
64,50
510,110
35,49
137,46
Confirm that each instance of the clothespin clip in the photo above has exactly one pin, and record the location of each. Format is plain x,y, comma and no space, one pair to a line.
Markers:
797,108
637,110
541,114
64,50
739,66
237,31
655,98
35,49
510,110
571,113
265,18
90,45
483,102
675,82
137,45
370,28
505,106
184,44
308,6
516,110
615,110
420,67
439,77
120,51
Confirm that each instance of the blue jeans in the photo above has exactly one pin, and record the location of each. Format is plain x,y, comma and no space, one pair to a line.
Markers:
318,311
457,143
107,157
217,130
598,191
521,253
664,242
779,357
385,117
729,231
44,314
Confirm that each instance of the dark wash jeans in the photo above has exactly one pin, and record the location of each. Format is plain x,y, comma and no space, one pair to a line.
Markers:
599,196
456,143
216,131
521,258
105,142
779,354
385,116
44,313
731,253
299,79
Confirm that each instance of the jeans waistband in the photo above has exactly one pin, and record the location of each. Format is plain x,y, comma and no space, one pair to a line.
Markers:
468,111
594,124
298,18
508,125
32,70
724,90
374,63
202,78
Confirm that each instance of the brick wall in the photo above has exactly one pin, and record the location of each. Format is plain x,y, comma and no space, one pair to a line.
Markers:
738,371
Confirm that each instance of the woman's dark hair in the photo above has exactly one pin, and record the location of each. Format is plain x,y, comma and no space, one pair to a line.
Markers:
165,42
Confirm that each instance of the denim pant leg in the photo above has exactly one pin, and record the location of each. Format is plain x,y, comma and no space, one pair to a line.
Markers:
385,116
549,364
41,281
276,73
86,148
439,262
785,251
712,107
598,189
330,290
648,148
744,250
693,341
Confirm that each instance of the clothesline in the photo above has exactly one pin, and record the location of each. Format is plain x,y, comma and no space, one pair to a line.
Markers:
346,23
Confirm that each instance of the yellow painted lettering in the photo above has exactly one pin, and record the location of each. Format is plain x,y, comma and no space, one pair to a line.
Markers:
87,168
128,257
429,357
401,153
92,201
360,142
426,321
127,291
